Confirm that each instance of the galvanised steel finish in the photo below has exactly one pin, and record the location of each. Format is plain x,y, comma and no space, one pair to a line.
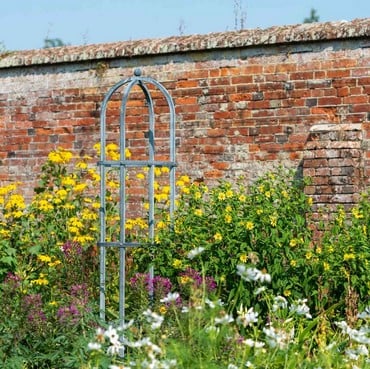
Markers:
122,164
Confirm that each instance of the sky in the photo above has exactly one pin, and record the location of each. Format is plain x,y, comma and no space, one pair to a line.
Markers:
25,24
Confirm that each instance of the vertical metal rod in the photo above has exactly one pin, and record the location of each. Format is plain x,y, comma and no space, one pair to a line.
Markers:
151,179
122,208
102,213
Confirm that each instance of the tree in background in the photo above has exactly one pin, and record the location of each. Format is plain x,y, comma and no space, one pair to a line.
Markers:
314,17
53,42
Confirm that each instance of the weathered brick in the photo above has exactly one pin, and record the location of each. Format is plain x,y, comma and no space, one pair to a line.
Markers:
238,108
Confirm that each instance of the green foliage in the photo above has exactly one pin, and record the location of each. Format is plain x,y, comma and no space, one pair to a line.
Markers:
239,279
264,226
268,226
345,255
314,17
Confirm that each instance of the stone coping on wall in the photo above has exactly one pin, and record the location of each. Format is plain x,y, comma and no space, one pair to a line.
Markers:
300,33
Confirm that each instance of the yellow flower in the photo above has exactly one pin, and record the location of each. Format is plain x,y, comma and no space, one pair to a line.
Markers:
326,266
228,209
113,184
54,263
113,155
185,179
94,175
228,218
349,256
68,206
249,225
243,258
81,165
4,233
15,201
60,156
293,263
197,195
157,171
44,205
341,216
129,224
287,293
185,279
293,242
163,309
111,147
308,255
285,194
141,223
44,258
318,250
86,214
96,147
273,220
268,194
330,249
166,189
217,237
165,170
53,303
62,193
161,224
356,212
68,181
73,229
221,196
74,225
127,153
242,198
6,189
161,197
17,214
177,264
79,187
96,205
40,281
229,193
198,212
83,239
185,190
140,176
309,201
259,211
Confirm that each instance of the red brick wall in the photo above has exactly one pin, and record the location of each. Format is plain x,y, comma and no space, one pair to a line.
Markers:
245,102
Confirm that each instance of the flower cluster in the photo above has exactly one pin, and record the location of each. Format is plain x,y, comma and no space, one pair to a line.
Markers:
232,268
248,338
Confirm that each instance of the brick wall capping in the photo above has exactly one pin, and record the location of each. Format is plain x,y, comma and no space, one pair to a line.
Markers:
328,127
327,145
299,33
